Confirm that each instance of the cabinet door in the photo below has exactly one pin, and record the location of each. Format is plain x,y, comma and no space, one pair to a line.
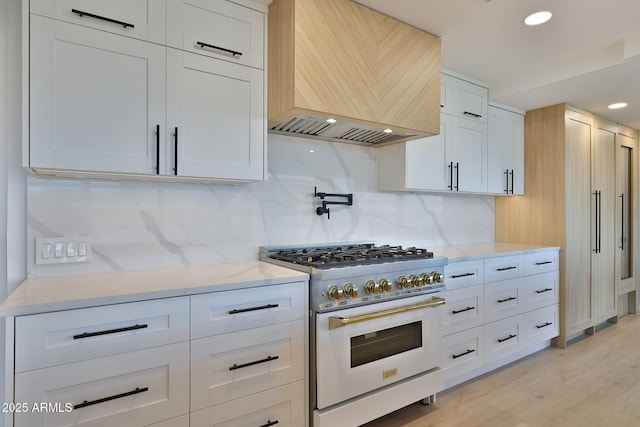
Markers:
140,19
426,163
469,100
96,99
466,151
626,206
215,118
220,29
505,162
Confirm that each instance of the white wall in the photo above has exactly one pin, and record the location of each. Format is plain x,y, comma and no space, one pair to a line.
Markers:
142,225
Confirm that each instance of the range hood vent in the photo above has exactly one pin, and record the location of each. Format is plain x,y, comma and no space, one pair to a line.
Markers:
316,127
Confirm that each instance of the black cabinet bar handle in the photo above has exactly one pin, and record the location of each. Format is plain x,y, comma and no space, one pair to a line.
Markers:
270,423
457,176
457,276
506,181
109,331
469,113
511,336
511,180
175,146
91,15
450,186
597,223
544,262
506,299
455,356
513,267
244,365
157,149
232,52
244,310
463,310
544,325
622,223
106,399
544,290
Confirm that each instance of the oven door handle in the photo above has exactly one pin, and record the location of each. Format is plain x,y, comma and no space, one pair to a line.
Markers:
338,322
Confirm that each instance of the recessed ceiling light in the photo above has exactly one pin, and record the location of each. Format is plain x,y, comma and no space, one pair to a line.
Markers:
617,105
538,18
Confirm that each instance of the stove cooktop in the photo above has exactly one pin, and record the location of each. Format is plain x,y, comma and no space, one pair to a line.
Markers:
349,255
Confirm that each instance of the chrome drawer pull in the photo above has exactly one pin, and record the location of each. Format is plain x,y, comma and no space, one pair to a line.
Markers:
500,301
513,267
102,18
110,331
457,276
511,336
544,325
269,423
244,365
232,52
262,307
455,356
463,310
338,322
544,290
106,399
544,262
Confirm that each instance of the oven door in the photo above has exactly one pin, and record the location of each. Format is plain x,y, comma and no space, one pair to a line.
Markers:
364,348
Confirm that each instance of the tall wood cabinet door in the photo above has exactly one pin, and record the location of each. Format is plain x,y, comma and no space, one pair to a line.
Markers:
426,163
217,109
603,222
626,207
579,206
466,147
96,99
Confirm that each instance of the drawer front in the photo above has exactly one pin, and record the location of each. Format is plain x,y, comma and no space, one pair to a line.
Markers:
131,389
502,338
541,262
540,290
463,274
463,352
464,309
503,299
173,422
282,406
503,268
220,29
231,311
541,325
50,339
230,366
140,19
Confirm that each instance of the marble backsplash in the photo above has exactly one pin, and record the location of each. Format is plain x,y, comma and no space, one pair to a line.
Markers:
145,225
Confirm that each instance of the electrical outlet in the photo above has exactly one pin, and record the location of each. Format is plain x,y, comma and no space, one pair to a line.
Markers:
62,250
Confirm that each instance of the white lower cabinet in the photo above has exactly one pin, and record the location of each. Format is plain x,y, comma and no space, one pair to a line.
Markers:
499,309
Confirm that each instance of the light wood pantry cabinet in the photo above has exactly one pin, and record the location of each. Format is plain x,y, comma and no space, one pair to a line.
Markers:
571,201
505,159
121,103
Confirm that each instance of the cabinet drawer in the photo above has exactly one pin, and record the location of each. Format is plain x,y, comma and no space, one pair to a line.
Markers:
140,19
503,299
464,309
540,290
220,29
131,389
56,338
502,338
464,273
230,311
502,268
282,406
540,262
181,421
540,325
463,352
230,366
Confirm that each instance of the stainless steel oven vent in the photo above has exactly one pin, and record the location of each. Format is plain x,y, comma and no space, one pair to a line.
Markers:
316,127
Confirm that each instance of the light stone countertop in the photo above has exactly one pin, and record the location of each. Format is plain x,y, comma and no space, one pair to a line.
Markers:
473,251
38,295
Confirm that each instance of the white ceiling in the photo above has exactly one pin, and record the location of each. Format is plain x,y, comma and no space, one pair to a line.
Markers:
588,55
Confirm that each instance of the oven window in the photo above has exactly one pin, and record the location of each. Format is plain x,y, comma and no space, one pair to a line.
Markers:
384,343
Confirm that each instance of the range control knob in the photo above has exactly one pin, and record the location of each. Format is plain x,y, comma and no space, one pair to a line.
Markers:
335,293
413,281
350,290
436,277
385,285
425,278
401,282
371,287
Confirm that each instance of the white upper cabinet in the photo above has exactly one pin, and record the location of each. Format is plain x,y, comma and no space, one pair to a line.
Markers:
506,150
463,99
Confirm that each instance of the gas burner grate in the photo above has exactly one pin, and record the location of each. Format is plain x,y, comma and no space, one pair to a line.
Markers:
350,255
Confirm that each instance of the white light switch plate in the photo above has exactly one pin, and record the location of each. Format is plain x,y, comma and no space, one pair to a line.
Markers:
61,250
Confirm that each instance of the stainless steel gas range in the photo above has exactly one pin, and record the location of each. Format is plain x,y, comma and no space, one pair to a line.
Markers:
375,327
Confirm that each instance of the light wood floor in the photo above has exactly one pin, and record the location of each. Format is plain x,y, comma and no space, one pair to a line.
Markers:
595,382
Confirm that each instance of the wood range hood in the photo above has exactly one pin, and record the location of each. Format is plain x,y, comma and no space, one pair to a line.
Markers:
378,78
